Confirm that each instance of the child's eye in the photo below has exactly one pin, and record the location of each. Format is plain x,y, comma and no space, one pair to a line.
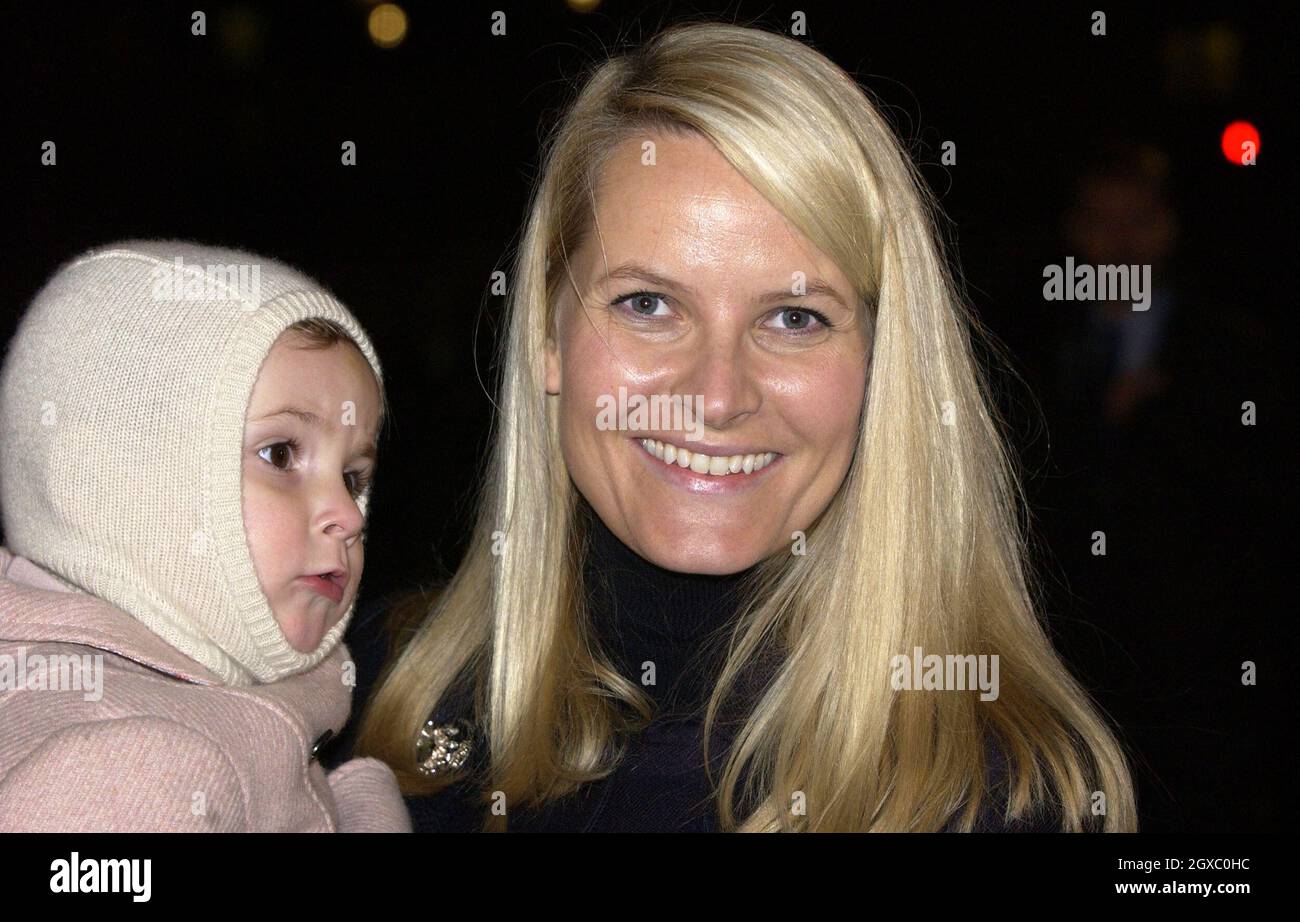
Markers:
278,451
281,455
360,482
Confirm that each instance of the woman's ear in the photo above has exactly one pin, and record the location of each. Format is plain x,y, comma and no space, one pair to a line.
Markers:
552,366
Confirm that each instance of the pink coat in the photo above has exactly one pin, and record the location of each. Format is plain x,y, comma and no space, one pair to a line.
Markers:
163,747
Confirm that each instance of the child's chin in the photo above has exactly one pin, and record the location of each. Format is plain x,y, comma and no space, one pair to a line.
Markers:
306,632
305,645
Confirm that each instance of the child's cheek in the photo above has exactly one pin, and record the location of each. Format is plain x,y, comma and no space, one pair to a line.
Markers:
270,526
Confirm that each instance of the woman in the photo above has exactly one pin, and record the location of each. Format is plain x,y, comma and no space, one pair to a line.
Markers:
726,224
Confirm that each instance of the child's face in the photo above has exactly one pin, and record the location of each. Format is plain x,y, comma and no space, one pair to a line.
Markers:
309,441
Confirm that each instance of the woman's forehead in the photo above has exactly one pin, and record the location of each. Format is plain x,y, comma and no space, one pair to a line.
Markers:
688,213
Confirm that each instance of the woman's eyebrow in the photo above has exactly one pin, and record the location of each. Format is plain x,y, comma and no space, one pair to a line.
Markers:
636,271
810,287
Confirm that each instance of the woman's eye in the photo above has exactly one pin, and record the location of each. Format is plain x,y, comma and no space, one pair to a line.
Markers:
803,319
279,451
642,303
798,320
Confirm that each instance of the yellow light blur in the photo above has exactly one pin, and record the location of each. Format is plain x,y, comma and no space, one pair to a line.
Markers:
387,25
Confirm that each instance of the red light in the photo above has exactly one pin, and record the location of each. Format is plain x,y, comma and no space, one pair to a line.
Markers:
1240,143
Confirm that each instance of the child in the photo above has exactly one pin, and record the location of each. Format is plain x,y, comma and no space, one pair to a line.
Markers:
188,439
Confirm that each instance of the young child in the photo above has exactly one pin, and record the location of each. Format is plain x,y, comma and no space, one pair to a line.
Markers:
187,437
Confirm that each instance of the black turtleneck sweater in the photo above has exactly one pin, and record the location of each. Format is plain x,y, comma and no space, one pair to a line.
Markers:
640,613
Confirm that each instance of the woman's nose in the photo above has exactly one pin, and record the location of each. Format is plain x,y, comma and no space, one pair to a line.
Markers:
719,369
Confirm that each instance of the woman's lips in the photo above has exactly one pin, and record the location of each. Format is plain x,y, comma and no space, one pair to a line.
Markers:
686,479
326,587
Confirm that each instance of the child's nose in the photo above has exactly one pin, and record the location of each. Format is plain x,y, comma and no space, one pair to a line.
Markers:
341,516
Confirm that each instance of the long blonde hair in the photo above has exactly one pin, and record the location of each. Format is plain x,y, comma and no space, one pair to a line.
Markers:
922,546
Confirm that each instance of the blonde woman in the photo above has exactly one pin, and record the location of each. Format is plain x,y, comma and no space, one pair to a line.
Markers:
794,599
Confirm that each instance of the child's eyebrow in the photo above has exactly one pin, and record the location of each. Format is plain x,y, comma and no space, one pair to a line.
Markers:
369,452
306,416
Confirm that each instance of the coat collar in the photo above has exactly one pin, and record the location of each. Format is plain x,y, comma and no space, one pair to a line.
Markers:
37,606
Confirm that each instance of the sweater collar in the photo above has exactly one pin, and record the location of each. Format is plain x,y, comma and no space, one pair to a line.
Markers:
642,613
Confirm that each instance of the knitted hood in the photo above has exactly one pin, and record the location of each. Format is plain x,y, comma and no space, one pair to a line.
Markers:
122,403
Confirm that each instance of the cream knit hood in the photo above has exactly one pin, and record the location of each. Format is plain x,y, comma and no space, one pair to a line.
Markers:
122,403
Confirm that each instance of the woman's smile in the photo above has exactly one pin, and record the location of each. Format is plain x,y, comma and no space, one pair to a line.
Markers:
701,472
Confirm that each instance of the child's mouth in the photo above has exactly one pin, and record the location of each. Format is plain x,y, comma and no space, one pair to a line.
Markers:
330,585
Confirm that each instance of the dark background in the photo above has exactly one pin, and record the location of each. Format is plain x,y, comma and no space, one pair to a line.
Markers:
234,139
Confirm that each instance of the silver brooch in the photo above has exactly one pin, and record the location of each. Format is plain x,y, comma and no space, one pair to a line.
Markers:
443,747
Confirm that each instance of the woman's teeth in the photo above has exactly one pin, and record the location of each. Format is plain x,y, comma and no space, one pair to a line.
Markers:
707,464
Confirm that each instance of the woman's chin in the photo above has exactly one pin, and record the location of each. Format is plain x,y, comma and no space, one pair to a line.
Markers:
684,550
